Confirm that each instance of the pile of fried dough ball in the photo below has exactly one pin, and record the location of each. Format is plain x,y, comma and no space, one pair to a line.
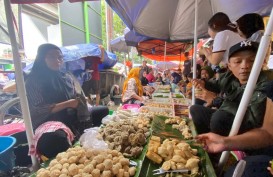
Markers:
80,162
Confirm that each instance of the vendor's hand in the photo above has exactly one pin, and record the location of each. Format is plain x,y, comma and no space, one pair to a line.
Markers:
208,50
72,103
201,50
148,93
213,143
198,83
207,96
270,168
101,47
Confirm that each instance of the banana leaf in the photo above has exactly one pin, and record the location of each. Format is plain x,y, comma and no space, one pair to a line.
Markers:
205,167
159,128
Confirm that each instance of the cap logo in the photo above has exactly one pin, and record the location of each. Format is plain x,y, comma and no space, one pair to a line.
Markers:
245,43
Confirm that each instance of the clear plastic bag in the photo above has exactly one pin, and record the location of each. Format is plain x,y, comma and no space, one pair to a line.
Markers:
89,139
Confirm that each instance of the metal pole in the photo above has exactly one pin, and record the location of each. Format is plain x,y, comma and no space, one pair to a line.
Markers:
108,25
20,80
250,86
195,49
86,22
21,37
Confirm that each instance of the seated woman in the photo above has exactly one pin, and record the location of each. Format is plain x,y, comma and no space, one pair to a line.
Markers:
58,112
175,79
166,79
143,79
158,78
132,88
148,90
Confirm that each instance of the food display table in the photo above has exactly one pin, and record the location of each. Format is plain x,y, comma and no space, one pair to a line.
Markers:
161,124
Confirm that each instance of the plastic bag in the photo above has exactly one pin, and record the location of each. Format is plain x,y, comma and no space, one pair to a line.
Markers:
89,139
110,118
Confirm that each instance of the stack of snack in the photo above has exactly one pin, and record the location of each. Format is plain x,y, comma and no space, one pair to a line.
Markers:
181,125
174,154
181,110
127,136
157,111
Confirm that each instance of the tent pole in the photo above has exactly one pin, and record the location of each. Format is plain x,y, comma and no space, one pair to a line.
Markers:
255,72
165,48
20,80
195,48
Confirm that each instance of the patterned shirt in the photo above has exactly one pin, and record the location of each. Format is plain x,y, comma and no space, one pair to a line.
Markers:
50,126
131,90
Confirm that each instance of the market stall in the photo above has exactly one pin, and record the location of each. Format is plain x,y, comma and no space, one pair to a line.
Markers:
136,141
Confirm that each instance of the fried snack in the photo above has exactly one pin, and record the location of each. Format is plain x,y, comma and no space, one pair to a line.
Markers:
155,138
154,157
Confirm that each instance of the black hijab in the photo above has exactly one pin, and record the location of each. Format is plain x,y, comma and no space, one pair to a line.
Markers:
56,86
177,77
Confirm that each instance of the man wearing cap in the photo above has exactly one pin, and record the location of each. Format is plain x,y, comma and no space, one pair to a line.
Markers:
232,84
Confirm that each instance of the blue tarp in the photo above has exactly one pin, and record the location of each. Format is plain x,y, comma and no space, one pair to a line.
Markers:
74,52
108,62
119,45
132,39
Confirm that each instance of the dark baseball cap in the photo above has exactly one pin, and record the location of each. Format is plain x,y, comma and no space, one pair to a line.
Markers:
243,45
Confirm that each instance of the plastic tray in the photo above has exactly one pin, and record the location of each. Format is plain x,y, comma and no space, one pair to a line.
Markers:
158,110
130,106
161,95
182,101
159,105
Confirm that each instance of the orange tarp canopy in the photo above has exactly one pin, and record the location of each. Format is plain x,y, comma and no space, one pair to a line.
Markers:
168,58
154,50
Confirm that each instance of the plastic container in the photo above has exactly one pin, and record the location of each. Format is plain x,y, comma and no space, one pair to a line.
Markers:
130,106
7,157
9,129
110,112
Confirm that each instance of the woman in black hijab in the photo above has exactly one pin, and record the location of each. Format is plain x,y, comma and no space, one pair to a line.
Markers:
52,97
